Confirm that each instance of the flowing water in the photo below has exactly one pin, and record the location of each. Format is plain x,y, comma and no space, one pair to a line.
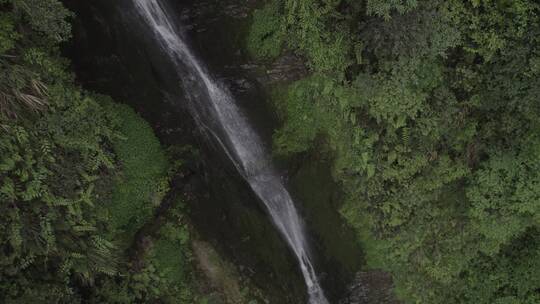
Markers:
215,111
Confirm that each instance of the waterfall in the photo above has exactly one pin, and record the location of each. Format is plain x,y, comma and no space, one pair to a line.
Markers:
216,113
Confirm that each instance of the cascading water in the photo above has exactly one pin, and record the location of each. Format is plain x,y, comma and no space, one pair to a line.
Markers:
215,111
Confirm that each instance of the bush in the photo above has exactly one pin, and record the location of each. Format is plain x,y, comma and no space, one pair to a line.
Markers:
139,188
265,38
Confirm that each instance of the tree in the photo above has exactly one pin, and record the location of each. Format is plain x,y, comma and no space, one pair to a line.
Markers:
430,109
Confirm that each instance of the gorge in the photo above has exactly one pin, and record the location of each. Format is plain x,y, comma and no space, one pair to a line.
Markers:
132,64
214,105
269,151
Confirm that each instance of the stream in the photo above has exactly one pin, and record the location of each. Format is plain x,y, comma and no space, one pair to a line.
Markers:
216,114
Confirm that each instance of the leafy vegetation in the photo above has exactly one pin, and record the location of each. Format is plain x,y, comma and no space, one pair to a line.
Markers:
143,181
265,37
79,176
430,109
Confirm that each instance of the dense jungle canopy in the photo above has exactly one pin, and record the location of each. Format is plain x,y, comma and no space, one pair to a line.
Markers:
428,109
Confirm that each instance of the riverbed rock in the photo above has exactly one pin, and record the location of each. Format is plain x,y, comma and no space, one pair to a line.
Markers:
371,287
287,68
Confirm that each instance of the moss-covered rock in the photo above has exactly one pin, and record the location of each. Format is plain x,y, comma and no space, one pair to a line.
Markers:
140,186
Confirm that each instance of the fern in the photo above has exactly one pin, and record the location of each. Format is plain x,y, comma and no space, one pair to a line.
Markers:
26,262
405,135
47,233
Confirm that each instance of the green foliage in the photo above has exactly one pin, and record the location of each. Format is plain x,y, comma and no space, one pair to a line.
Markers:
50,169
511,276
171,254
431,113
8,35
75,170
383,8
486,23
20,88
164,274
265,38
48,17
137,191
301,110
505,196
393,100
327,51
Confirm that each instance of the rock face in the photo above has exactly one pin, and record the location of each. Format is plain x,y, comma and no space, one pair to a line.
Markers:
287,68
219,29
371,287
197,10
111,55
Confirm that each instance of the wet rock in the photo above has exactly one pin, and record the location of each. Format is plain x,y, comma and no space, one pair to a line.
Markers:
242,85
201,14
236,10
371,287
287,68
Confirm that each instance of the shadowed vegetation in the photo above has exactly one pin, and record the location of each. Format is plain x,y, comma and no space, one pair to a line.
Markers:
430,110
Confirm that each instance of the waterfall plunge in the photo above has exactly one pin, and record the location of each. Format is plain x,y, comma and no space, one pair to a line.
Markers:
215,111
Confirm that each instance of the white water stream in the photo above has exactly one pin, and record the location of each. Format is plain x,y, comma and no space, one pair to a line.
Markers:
214,109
